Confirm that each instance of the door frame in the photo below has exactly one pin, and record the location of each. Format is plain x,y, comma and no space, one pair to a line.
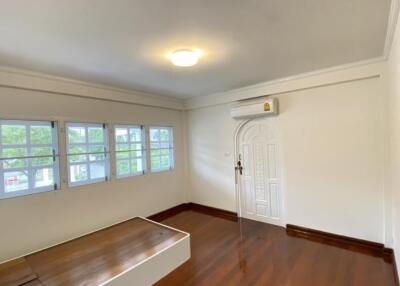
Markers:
279,154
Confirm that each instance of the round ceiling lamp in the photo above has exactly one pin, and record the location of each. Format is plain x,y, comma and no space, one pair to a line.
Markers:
185,58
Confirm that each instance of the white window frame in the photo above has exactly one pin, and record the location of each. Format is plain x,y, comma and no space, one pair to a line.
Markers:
170,147
29,168
106,153
130,157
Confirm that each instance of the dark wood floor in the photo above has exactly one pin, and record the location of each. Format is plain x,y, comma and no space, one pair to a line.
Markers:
251,253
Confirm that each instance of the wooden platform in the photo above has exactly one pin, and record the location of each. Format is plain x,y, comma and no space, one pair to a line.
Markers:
95,259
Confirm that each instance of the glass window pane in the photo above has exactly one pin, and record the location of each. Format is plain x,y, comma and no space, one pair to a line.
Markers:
13,134
12,153
44,177
15,181
78,173
96,149
154,145
164,134
41,135
125,149
77,150
121,135
137,153
165,151
136,146
76,134
97,170
165,162
137,165
42,151
165,145
123,168
135,134
154,134
96,134
155,163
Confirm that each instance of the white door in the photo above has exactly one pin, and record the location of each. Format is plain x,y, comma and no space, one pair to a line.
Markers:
259,186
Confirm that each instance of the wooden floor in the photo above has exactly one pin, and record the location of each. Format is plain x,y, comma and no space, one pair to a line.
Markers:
92,259
251,253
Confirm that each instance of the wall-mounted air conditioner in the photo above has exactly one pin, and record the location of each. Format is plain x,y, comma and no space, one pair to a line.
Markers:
255,109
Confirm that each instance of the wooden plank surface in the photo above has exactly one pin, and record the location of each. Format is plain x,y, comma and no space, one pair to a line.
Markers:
250,253
95,258
15,272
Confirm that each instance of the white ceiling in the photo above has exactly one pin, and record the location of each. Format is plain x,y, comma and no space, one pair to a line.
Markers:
123,43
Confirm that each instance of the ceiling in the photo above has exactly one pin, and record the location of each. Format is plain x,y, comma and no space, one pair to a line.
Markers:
123,43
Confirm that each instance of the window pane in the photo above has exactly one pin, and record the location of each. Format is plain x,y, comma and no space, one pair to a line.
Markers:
42,151
165,163
97,170
96,149
121,135
154,145
76,135
137,153
165,151
154,135
155,163
125,148
123,167
44,177
11,153
155,152
41,135
164,134
137,165
135,134
96,134
129,144
78,173
136,146
13,134
15,181
77,150
21,174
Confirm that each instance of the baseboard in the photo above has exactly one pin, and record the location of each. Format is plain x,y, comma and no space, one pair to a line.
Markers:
213,211
370,247
169,212
194,207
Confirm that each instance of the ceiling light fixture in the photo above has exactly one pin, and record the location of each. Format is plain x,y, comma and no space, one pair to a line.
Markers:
185,58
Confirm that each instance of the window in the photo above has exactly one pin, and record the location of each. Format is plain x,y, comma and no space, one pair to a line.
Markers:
130,150
161,149
87,152
28,157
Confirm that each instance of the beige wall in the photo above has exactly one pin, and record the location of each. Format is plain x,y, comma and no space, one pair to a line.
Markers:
393,119
32,222
332,157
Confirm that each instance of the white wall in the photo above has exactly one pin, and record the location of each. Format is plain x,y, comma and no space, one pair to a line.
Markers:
393,183
333,157
36,221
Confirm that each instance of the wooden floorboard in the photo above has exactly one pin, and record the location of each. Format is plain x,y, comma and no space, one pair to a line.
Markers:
251,253
16,272
98,257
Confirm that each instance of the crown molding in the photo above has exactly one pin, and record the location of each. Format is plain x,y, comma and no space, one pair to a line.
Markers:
339,74
23,79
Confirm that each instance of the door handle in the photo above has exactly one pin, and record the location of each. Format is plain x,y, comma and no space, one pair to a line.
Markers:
239,167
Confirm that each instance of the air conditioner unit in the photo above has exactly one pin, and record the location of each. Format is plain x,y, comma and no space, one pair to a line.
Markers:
255,109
